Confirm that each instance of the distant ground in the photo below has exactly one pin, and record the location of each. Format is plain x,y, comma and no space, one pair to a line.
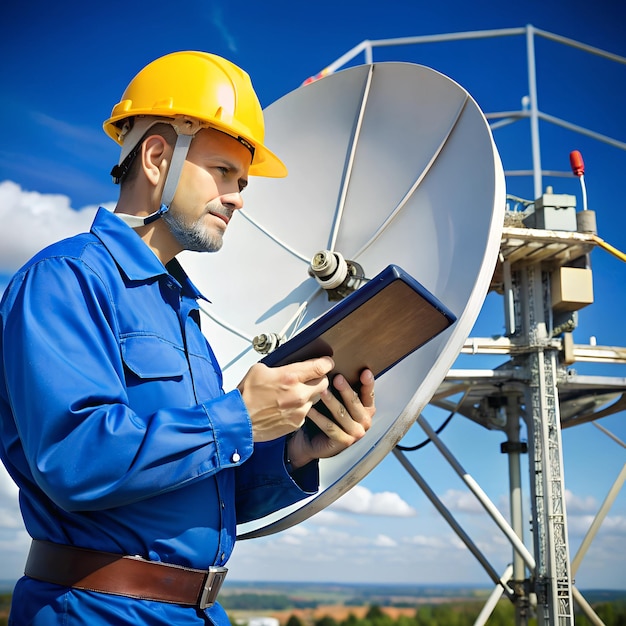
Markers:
317,596
352,594
311,603
337,612
339,600
360,594
376,592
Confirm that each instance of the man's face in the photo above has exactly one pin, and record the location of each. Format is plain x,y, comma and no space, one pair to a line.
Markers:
209,191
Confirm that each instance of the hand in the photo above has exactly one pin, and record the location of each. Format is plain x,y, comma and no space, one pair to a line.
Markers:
352,415
279,398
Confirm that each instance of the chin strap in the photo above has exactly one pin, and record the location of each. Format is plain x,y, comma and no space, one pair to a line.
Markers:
176,167
179,155
135,221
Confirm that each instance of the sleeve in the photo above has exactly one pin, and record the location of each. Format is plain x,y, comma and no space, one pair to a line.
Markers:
263,484
84,446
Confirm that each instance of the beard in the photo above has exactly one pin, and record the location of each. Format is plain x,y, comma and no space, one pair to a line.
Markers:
195,235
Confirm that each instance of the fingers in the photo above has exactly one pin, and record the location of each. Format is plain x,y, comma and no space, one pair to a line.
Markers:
351,414
367,389
348,420
312,369
339,432
348,408
278,399
365,397
312,373
352,407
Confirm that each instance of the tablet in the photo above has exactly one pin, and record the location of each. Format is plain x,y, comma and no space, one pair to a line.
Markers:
375,327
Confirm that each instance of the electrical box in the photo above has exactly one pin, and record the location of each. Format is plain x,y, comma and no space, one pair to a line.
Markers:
572,288
553,211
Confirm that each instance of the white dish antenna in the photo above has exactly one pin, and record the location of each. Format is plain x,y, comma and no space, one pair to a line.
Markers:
389,163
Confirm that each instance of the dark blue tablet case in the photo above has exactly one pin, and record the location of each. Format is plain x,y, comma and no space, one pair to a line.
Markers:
375,327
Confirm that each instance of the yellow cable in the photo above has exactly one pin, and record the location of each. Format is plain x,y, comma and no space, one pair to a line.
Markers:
609,248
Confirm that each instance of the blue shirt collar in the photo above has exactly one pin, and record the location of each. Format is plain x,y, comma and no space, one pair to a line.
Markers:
133,256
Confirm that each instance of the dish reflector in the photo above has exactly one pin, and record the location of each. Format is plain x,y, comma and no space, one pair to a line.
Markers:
390,163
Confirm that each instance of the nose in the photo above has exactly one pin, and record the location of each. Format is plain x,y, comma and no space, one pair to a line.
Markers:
233,200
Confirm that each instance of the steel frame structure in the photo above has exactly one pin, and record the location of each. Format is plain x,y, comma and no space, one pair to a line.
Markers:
534,386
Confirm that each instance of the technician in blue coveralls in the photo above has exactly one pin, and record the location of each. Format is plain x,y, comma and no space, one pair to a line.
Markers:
134,466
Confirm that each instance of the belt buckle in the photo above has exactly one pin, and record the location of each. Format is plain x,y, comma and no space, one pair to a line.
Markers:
212,584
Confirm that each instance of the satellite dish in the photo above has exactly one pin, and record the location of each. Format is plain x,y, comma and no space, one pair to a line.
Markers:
388,163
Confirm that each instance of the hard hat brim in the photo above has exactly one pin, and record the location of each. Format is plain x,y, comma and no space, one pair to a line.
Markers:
264,163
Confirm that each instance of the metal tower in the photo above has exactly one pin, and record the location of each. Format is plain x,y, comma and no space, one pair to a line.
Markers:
538,269
544,276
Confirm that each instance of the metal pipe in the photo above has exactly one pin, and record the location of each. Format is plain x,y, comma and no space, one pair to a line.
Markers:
476,34
609,248
509,299
608,433
369,53
515,486
581,46
534,111
599,518
475,488
557,121
445,513
347,57
493,599
586,608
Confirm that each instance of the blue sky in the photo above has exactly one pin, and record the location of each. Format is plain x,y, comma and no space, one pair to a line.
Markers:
65,65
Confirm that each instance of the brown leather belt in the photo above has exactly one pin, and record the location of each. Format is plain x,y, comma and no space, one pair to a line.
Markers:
119,575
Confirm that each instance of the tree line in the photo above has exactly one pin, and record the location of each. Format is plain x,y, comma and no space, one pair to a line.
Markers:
446,614
459,614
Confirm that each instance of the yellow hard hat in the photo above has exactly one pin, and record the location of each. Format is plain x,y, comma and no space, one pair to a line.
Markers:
204,87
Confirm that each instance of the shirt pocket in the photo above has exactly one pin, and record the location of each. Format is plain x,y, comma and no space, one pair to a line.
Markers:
150,357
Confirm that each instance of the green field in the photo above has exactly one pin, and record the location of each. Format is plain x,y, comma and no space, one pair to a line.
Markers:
337,604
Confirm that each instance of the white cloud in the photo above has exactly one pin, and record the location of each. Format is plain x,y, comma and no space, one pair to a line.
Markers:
14,540
580,504
428,541
432,553
32,220
292,540
298,530
10,517
362,501
8,489
384,541
342,539
462,502
328,517
579,525
615,525
294,536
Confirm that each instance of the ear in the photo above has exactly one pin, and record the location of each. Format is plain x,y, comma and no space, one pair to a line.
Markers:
155,158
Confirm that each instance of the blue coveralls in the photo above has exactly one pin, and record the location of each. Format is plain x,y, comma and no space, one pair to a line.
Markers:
115,427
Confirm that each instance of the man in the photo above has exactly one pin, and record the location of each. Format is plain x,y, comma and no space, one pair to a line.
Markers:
133,465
